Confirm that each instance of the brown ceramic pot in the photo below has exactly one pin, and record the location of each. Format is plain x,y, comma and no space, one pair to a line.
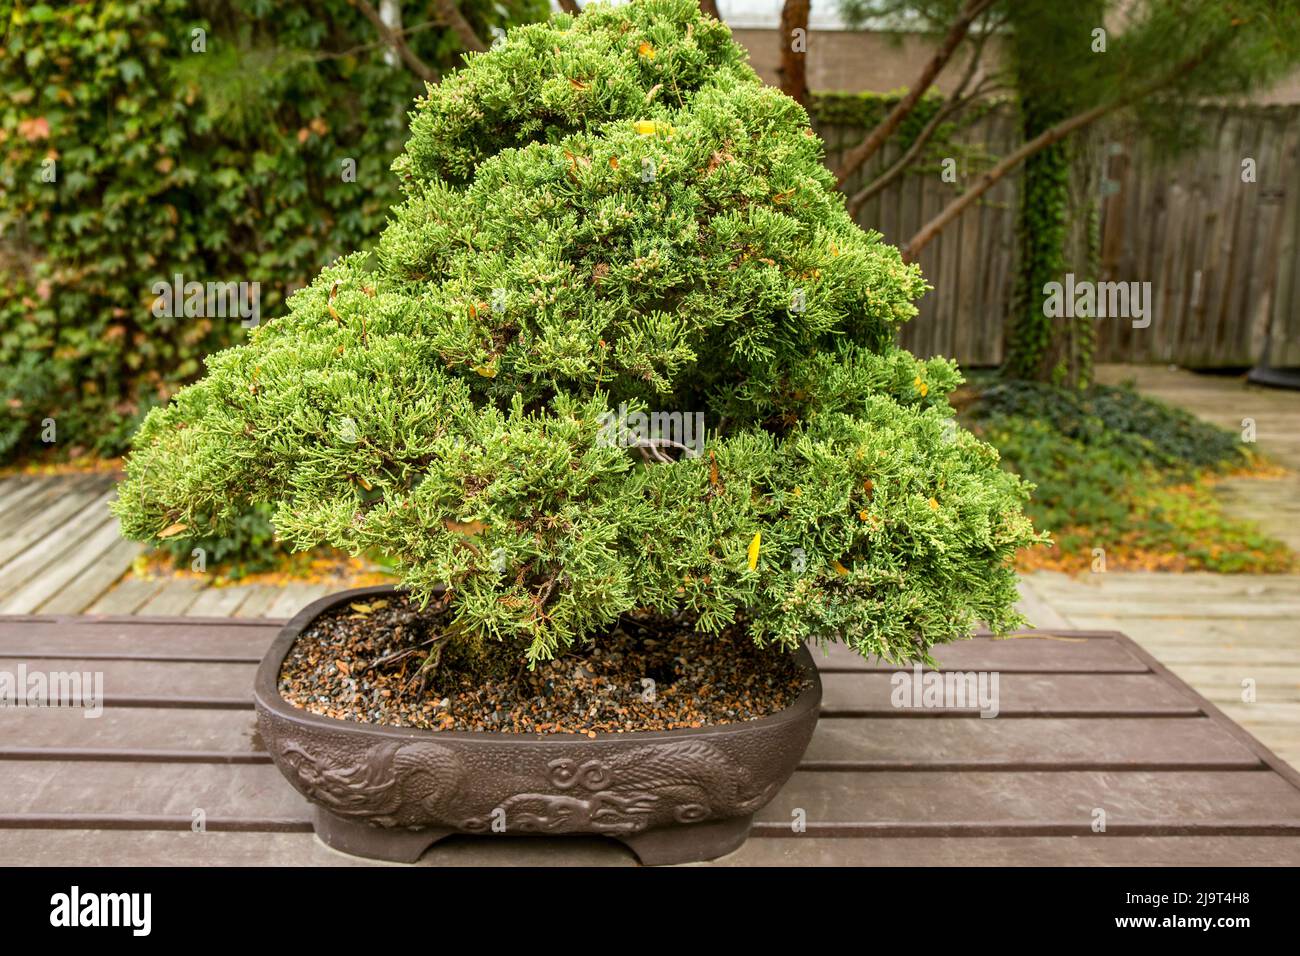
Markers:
389,793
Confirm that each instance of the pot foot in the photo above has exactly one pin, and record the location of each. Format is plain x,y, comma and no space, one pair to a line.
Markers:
395,844
689,843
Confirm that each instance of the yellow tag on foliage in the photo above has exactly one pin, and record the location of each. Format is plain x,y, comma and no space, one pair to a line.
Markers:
753,550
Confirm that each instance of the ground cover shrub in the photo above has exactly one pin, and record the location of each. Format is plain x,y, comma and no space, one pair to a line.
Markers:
1119,471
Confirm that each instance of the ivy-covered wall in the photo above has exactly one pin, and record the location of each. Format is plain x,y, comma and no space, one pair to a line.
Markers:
145,139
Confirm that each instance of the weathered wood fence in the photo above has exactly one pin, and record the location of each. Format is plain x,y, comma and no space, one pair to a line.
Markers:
1222,254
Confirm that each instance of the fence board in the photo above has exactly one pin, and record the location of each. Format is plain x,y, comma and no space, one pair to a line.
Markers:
1221,255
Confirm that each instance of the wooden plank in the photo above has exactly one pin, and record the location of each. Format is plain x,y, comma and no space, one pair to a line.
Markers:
43,493
76,563
1091,850
936,803
1009,743
176,595
259,600
154,680
59,544
182,847
236,640
1190,585
236,792
1042,803
1075,652
1037,611
1075,607
218,602
867,694
126,597
88,586
1285,771
17,490
293,598
47,513
166,732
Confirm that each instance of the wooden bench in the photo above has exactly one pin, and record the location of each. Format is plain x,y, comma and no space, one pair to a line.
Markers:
1090,729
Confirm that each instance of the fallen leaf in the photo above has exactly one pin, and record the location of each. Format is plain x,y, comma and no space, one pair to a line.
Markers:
171,530
754,547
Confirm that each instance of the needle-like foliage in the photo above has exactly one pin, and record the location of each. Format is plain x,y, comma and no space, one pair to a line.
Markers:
609,212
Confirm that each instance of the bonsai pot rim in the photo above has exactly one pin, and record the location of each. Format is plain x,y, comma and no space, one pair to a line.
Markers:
266,692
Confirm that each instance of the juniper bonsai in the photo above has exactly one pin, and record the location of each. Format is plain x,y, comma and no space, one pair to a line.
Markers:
603,212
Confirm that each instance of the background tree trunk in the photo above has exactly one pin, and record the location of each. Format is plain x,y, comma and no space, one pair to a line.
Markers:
794,50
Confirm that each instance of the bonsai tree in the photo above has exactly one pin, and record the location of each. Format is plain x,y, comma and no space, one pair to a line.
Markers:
608,215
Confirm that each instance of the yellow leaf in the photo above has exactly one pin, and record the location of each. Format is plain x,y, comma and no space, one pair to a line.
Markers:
645,127
361,608
839,568
753,549
365,484
465,527
646,50
487,371
171,530
934,505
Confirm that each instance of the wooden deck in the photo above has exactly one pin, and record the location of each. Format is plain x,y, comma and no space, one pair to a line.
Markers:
60,549
61,552
1089,725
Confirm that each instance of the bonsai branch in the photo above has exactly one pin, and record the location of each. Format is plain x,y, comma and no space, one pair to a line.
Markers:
651,449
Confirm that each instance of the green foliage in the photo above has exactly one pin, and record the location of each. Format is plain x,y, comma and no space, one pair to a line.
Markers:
604,211
246,545
222,165
1117,470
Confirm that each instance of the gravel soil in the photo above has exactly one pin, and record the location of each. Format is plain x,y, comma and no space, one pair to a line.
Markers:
362,662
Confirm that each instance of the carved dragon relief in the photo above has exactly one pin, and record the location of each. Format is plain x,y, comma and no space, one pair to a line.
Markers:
416,784
682,782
